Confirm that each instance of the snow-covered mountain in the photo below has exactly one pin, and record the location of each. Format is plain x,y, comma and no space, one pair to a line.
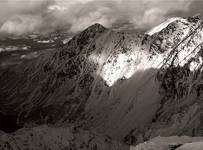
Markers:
126,86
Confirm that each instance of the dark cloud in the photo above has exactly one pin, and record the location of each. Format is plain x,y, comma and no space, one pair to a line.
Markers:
195,8
25,16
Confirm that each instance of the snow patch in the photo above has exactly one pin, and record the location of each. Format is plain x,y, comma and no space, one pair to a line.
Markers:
162,26
45,41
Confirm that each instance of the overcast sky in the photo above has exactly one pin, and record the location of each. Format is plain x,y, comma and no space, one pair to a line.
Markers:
26,16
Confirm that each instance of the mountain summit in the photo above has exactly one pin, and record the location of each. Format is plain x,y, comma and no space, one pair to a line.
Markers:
130,88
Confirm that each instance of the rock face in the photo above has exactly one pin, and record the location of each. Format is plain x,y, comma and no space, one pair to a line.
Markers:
128,87
171,143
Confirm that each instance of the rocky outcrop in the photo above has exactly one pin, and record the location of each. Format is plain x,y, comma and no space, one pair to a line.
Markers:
171,143
44,137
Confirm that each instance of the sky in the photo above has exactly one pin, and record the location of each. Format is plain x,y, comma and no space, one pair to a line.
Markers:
19,17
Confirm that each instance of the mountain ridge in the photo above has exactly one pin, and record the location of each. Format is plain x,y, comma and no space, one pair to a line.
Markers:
104,81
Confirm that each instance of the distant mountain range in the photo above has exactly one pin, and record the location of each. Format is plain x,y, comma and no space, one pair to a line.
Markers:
15,50
105,89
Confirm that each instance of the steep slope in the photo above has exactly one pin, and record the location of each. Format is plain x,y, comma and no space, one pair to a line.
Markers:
181,83
129,87
180,76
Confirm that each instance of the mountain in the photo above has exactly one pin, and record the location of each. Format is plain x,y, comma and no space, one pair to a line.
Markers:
128,87
15,50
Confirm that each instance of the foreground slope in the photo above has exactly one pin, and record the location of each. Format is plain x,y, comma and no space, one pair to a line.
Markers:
49,138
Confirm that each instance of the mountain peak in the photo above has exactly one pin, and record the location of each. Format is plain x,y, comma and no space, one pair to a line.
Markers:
165,36
97,26
174,21
89,33
163,25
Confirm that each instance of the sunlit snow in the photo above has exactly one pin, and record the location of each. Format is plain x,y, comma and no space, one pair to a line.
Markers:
162,26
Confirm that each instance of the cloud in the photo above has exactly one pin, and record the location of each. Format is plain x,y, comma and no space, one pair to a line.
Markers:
18,17
21,24
194,7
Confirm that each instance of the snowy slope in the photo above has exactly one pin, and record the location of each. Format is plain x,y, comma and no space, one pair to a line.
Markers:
180,76
162,26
